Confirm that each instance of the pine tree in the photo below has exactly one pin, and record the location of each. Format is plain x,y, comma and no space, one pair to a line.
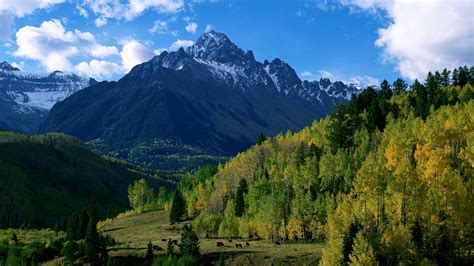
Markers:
178,208
445,77
170,248
14,238
94,247
239,198
189,242
149,252
261,138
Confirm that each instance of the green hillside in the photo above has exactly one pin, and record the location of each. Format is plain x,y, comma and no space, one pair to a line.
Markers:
48,177
386,179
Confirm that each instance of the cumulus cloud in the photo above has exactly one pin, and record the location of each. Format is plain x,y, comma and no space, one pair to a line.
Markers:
306,74
180,43
99,22
192,27
327,74
98,69
423,36
11,9
132,9
21,8
159,27
134,53
364,81
52,45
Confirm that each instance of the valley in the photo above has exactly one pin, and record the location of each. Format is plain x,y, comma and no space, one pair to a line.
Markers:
195,133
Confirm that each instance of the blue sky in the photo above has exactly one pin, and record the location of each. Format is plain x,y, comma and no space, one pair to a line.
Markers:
351,40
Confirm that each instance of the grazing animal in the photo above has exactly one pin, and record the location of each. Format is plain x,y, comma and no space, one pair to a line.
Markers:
158,248
230,240
175,242
236,245
164,240
277,243
247,243
219,244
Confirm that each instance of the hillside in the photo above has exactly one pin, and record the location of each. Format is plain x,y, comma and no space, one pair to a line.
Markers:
48,177
189,107
386,179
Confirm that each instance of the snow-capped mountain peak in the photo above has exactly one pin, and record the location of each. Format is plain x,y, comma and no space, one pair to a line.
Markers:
34,94
215,55
7,67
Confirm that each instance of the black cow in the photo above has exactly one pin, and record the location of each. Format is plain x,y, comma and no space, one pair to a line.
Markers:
219,244
277,243
158,248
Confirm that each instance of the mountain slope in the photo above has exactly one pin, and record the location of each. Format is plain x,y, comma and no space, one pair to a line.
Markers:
26,98
212,99
48,177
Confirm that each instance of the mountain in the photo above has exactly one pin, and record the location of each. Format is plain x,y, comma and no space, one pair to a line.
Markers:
26,98
194,106
44,178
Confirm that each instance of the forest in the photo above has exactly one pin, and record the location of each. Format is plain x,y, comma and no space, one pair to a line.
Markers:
386,179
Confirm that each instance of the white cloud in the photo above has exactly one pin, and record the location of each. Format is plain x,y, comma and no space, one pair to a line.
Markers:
180,43
21,8
424,35
159,27
9,9
364,81
82,11
134,53
208,28
327,74
98,69
52,45
6,20
306,74
192,27
99,22
20,65
133,8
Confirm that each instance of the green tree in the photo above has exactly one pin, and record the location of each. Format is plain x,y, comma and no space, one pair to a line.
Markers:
239,198
189,242
399,86
230,225
261,138
140,193
149,252
95,249
178,208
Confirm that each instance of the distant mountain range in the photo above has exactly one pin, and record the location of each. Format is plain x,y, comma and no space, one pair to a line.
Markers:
26,98
193,106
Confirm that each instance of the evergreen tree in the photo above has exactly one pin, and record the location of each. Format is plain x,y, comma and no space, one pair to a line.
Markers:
70,252
178,208
239,198
189,242
170,248
445,77
463,77
421,99
399,86
14,238
149,252
261,138
95,249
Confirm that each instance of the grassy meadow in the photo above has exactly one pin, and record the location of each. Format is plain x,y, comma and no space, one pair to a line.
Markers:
133,233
